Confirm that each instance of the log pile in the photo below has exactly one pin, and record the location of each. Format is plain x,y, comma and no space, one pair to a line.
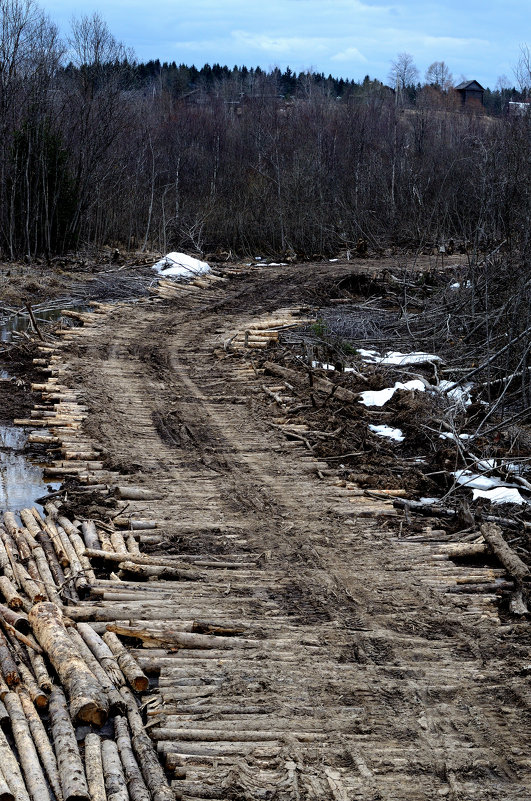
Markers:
264,331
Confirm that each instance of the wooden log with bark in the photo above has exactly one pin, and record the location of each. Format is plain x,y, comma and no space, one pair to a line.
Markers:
10,593
29,759
509,559
133,775
128,664
94,767
69,764
8,666
88,702
90,535
37,695
42,743
5,791
115,783
150,766
102,653
11,770
116,703
18,620
180,639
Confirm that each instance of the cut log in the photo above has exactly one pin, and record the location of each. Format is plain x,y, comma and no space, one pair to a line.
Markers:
48,581
102,652
90,534
115,783
511,562
37,695
180,639
18,620
152,770
116,702
88,702
76,570
42,743
10,593
29,759
5,792
322,384
94,767
133,775
7,664
69,765
154,571
3,688
40,670
137,494
128,664
11,770
35,593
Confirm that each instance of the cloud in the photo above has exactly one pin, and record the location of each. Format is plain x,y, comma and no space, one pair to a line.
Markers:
350,54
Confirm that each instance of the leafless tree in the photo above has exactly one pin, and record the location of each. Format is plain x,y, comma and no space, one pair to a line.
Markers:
439,76
403,73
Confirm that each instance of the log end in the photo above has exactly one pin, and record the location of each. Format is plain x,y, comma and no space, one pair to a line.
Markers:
140,684
86,710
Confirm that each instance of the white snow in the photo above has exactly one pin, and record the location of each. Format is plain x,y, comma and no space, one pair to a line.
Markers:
276,264
181,265
380,397
494,489
394,357
448,435
459,394
387,431
326,366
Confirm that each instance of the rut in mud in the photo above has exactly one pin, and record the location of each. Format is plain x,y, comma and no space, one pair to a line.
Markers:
359,675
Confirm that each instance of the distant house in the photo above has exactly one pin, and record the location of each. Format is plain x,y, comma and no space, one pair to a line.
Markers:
471,92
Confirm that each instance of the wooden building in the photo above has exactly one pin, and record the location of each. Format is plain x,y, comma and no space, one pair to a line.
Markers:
471,92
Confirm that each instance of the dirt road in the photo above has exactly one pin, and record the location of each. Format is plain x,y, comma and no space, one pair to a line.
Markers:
357,676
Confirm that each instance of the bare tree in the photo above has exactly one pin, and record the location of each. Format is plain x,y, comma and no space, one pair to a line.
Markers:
439,76
403,73
522,70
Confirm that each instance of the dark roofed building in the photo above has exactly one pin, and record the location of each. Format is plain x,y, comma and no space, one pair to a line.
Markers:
470,91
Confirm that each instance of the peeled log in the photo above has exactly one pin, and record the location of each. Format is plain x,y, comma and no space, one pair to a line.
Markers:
115,783
71,773
128,664
11,770
31,767
94,767
88,701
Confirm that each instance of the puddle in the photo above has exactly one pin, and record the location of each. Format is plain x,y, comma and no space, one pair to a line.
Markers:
21,481
19,321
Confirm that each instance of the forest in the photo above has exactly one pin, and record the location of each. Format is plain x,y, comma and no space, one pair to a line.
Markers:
97,149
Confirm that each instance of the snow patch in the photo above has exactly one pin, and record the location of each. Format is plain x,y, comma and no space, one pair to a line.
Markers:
380,397
181,265
459,394
493,489
397,359
387,431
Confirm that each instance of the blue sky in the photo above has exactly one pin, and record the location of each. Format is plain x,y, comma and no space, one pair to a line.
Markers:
348,38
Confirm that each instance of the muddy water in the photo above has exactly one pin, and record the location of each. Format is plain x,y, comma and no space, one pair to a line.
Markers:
21,480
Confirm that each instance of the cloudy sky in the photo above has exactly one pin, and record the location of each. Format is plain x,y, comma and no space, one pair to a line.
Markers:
347,38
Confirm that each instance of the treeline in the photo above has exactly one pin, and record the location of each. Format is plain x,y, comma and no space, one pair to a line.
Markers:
95,150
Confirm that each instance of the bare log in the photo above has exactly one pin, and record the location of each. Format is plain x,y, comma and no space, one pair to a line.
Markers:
135,783
87,699
102,652
94,767
3,688
115,783
137,494
118,542
11,770
80,582
79,547
39,668
180,639
35,593
31,767
155,571
152,770
128,664
69,765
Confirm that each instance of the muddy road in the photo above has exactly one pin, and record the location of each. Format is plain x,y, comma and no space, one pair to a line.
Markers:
359,676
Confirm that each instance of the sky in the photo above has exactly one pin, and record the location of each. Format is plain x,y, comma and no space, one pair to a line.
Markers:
346,38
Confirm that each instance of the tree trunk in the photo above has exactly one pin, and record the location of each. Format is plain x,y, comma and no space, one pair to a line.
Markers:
69,765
